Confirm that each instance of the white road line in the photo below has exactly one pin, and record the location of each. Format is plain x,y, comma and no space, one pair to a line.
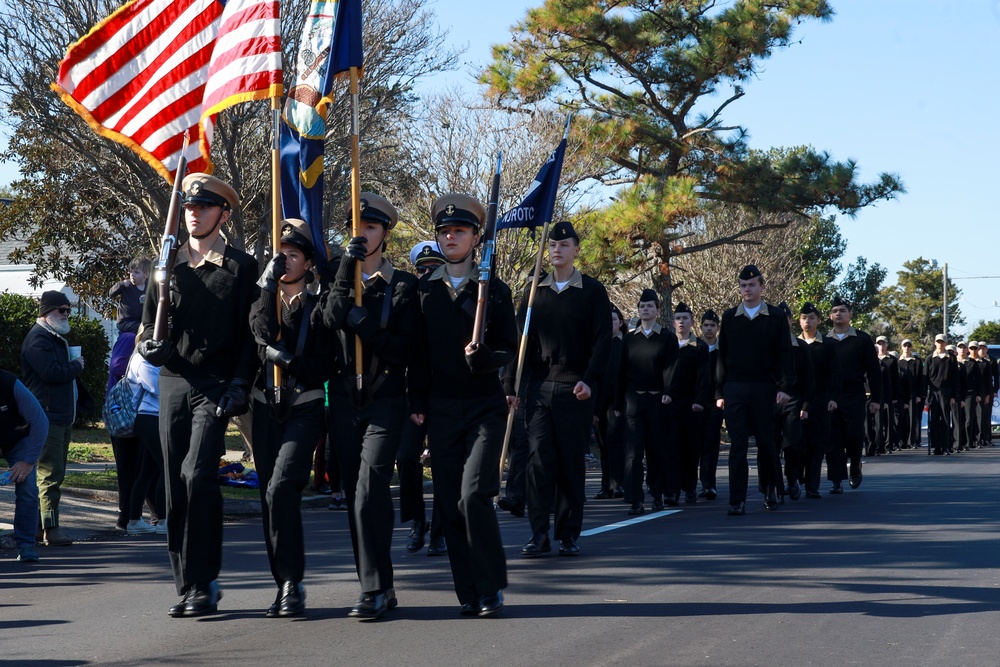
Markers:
627,523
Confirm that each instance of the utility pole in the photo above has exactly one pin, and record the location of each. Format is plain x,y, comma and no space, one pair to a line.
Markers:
945,282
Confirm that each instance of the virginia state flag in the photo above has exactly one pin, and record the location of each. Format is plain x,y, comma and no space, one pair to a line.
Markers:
540,201
330,45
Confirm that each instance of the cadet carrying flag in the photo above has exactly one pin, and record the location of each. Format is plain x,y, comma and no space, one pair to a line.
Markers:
540,201
157,68
330,45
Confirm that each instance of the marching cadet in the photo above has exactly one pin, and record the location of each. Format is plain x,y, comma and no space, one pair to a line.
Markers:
208,362
755,370
425,258
609,427
287,424
966,417
689,390
911,398
880,430
455,390
647,356
984,390
566,358
991,382
856,362
790,417
816,429
367,423
942,390
709,458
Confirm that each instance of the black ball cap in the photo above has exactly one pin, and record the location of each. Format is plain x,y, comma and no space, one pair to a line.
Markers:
837,301
683,308
562,231
749,272
649,295
783,307
616,311
809,308
710,316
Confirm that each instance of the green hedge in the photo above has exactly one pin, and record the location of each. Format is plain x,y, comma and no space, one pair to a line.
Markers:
18,314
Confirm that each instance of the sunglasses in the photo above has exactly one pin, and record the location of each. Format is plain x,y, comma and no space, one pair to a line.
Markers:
421,270
64,310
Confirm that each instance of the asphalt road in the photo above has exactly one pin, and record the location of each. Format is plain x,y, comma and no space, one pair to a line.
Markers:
902,571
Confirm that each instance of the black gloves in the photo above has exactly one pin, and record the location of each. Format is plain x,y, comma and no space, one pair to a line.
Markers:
361,323
268,280
279,356
156,352
356,251
481,360
234,400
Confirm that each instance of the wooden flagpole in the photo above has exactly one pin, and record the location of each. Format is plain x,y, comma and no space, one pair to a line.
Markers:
276,218
356,215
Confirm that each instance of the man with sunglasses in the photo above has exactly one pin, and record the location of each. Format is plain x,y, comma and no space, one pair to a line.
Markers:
51,375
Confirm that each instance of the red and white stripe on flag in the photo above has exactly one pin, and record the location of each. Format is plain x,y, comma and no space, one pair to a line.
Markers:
139,77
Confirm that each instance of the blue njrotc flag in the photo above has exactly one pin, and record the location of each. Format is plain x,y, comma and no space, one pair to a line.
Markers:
330,45
538,204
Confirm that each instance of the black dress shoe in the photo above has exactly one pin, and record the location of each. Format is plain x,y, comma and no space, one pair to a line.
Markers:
489,604
711,494
537,546
856,476
837,489
437,547
657,504
204,599
178,609
794,491
618,493
739,509
374,605
293,599
672,500
771,502
569,547
815,495
636,509
508,505
272,611
690,498
469,609
603,494
415,541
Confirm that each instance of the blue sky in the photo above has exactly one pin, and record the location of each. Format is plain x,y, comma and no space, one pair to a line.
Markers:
905,86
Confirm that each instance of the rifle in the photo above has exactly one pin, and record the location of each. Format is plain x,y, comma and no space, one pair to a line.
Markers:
168,250
486,261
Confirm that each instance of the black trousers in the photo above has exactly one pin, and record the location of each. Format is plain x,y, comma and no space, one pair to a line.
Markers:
411,477
518,453
128,460
646,433
905,424
917,416
282,452
847,436
367,441
686,433
610,433
970,420
815,441
193,442
708,465
465,438
985,420
937,431
150,485
788,440
559,427
750,411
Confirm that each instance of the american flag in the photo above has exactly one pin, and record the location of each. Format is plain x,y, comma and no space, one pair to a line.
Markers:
156,68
